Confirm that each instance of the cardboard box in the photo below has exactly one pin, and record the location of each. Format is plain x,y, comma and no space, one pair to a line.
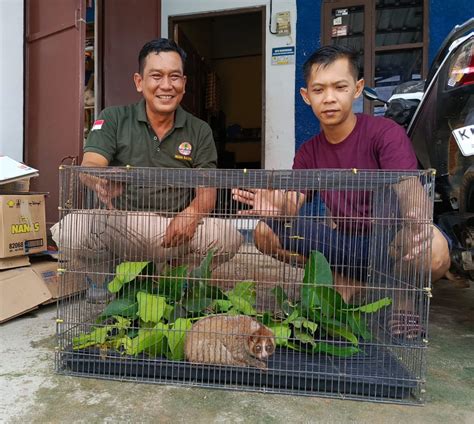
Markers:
14,262
22,224
21,290
48,271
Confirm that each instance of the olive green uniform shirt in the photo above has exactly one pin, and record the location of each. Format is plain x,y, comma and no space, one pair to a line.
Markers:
124,136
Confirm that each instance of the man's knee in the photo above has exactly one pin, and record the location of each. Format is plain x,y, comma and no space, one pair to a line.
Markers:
440,258
219,234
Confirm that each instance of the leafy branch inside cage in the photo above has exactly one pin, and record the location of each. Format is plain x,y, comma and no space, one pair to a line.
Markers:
321,312
152,315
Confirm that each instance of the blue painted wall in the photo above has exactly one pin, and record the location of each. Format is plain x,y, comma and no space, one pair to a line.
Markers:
308,39
443,16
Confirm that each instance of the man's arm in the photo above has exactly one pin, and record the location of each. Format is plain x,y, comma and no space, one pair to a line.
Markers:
417,209
269,202
183,226
106,190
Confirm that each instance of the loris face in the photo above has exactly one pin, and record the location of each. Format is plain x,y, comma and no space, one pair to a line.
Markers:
262,344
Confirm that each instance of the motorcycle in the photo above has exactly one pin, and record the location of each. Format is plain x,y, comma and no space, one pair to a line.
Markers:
438,115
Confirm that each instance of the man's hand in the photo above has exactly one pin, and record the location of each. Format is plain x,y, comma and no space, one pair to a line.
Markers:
263,202
181,229
107,191
414,238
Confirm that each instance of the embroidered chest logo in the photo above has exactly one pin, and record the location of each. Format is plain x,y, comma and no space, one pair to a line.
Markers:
185,148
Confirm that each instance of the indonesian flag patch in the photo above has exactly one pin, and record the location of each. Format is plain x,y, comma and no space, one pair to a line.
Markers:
97,125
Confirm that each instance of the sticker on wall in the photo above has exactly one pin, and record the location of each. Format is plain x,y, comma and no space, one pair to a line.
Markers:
283,55
342,12
337,21
339,31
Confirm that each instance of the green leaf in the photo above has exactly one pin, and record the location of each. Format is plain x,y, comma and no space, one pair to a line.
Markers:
344,333
147,338
169,313
245,290
194,303
95,337
200,296
222,305
171,283
121,323
326,298
282,334
304,337
124,341
203,271
267,318
176,337
243,297
301,322
282,300
178,312
358,325
317,270
241,305
124,273
372,307
124,307
150,307
294,316
335,350
317,273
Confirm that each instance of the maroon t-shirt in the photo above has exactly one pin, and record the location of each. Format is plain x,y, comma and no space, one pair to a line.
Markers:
374,143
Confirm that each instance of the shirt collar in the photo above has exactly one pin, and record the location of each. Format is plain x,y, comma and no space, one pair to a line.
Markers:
179,119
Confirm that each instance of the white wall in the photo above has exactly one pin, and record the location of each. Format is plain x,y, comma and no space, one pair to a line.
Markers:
279,79
11,78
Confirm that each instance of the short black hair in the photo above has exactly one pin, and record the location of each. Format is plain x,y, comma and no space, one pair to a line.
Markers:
326,55
157,46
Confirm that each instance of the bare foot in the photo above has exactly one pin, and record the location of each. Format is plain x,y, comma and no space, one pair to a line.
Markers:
458,280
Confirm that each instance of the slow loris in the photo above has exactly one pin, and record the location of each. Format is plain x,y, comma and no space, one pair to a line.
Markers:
229,340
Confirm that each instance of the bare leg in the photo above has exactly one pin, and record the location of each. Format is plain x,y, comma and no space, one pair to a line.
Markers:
440,260
268,243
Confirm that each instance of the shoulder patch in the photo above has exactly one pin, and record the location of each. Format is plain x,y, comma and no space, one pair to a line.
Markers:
97,124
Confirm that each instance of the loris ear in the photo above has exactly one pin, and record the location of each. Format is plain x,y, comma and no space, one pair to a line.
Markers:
255,326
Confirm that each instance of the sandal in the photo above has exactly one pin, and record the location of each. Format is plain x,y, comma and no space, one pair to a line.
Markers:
405,325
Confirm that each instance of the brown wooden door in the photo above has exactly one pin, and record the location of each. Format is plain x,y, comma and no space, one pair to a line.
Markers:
54,85
125,26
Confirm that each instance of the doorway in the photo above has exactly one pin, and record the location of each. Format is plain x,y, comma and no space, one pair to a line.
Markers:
226,79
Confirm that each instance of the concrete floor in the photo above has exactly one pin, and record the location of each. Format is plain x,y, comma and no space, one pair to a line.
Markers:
30,391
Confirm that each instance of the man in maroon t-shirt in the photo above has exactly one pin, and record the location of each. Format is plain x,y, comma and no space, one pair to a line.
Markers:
347,141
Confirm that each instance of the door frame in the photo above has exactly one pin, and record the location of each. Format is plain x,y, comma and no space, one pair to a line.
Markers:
176,19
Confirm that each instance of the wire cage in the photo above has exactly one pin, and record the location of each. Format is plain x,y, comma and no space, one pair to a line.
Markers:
308,282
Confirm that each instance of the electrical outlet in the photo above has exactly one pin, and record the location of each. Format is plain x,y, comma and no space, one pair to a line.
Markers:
283,26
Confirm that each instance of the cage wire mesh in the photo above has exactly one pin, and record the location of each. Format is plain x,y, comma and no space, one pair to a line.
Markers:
309,291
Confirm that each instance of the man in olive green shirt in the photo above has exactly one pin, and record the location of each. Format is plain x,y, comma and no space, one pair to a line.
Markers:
156,132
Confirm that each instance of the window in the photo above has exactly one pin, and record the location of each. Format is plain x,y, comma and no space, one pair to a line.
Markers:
390,36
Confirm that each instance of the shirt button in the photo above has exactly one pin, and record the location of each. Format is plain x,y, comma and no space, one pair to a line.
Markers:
155,138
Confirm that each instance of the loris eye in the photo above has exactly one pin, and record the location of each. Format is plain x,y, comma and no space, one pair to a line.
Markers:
269,348
258,348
